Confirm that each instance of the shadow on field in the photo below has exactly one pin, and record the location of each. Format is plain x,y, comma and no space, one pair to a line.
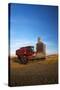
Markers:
16,60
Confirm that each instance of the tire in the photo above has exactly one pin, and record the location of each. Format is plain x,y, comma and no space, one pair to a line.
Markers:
23,60
44,58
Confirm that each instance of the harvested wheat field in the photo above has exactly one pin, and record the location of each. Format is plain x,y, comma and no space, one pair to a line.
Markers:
36,72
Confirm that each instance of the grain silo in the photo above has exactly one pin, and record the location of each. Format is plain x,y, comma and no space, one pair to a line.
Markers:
40,47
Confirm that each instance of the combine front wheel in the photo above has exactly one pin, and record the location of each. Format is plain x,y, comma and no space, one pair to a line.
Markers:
23,59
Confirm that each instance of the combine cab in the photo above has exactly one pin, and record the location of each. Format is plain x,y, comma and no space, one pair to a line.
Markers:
27,53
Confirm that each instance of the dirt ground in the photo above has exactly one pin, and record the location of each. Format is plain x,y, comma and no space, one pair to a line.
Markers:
36,72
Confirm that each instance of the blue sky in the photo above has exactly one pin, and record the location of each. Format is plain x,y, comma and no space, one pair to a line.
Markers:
28,22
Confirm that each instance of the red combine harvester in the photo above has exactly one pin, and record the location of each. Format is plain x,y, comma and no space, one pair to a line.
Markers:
27,53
